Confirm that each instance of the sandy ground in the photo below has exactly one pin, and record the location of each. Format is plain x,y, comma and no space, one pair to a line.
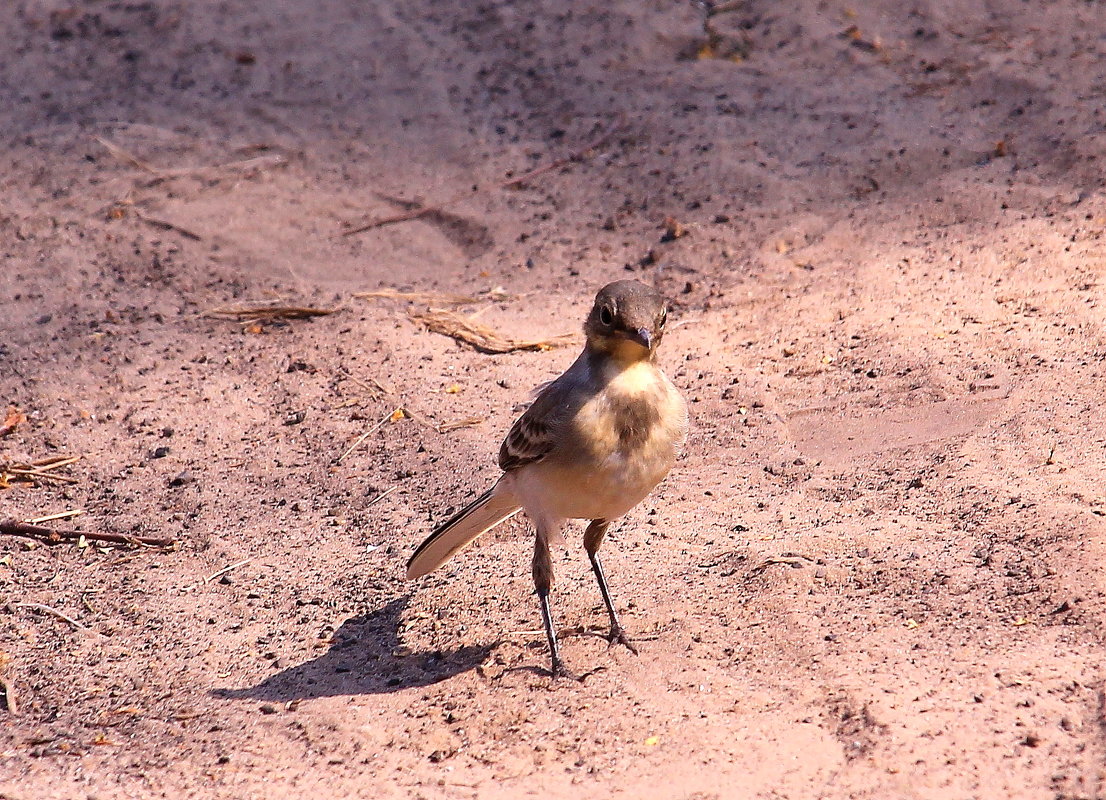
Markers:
877,572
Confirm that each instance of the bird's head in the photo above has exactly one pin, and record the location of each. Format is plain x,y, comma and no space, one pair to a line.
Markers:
627,321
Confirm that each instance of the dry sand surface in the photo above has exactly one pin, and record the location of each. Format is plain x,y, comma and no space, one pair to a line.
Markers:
876,572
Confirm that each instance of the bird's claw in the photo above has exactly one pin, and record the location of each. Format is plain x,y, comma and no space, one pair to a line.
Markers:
558,670
618,636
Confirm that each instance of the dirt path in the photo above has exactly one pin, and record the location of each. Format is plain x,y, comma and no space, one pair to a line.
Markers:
877,571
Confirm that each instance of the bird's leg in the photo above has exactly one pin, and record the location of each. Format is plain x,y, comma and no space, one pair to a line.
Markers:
593,538
543,581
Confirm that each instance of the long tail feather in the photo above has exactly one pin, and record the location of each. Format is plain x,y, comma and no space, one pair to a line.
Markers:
452,536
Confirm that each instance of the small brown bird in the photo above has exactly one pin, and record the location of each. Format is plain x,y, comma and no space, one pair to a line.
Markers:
593,444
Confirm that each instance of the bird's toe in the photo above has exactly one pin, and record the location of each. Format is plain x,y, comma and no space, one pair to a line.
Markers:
618,636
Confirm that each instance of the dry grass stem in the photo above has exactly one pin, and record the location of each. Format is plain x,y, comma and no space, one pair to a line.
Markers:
60,615
73,512
576,155
423,210
19,471
249,314
377,389
434,298
53,462
40,470
479,336
457,424
437,298
419,418
244,165
381,496
225,570
374,387
158,175
127,157
165,225
391,415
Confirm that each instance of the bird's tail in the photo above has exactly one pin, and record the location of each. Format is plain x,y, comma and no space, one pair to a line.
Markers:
456,533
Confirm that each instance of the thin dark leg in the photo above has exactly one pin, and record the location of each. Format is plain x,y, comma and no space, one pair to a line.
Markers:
593,538
543,581
557,667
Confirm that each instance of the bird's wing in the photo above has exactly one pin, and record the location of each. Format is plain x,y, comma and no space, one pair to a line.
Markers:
533,434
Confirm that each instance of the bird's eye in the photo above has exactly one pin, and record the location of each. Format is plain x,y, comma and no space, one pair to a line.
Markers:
663,319
606,316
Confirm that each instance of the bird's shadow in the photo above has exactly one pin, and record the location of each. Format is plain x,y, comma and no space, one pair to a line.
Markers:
365,657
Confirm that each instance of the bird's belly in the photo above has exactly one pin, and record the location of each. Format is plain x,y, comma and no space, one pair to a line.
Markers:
603,489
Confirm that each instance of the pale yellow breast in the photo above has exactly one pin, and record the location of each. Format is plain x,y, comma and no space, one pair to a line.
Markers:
638,379
612,451
639,418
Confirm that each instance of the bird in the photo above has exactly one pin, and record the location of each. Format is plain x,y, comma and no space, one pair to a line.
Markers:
592,445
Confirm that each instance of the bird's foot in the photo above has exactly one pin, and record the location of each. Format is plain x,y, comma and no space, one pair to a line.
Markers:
557,669
618,636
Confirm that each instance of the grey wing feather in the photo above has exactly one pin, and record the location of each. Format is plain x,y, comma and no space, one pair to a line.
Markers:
532,436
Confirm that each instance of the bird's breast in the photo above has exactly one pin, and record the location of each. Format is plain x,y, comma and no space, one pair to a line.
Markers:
638,415
620,444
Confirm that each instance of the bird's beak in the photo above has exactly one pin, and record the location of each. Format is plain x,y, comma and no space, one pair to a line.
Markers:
643,337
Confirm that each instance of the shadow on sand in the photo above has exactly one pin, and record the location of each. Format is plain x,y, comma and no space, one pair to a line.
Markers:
364,658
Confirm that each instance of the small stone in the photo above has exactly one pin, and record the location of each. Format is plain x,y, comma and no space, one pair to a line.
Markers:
182,479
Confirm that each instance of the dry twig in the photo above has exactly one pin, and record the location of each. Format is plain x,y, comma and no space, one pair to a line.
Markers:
423,210
457,424
159,175
436,298
73,512
380,496
375,389
225,570
165,225
259,313
40,469
127,157
13,527
481,337
398,413
60,615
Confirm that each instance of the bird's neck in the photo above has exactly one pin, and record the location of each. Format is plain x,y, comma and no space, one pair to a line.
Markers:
619,356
